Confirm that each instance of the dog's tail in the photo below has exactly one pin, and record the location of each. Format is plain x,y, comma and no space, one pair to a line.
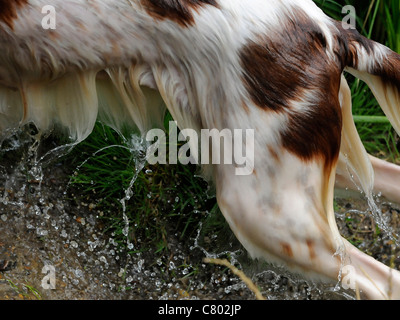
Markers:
379,67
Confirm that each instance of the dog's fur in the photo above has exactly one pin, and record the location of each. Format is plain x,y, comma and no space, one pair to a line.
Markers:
273,66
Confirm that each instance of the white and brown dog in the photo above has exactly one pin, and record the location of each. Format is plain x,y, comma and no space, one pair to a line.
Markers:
273,66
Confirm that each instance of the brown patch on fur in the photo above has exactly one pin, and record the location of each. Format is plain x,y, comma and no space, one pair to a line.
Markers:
275,68
245,107
287,250
350,41
317,132
53,35
274,154
180,11
389,70
8,10
278,71
311,249
347,42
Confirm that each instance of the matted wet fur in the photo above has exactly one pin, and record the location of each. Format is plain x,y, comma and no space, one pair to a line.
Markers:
272,66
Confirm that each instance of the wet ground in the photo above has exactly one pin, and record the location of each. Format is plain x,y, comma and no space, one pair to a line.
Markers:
55,247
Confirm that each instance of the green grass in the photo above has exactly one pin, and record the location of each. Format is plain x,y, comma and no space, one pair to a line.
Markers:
25,291
165,198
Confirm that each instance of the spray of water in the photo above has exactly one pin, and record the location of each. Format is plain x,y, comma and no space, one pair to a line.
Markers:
138,147
382,221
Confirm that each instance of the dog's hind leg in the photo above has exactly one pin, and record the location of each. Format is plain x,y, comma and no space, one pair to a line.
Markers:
387,179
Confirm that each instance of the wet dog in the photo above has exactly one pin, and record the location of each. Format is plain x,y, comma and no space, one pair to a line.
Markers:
272,66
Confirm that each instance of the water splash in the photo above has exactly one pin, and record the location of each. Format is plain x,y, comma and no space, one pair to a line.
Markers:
138,147
232,254
382,221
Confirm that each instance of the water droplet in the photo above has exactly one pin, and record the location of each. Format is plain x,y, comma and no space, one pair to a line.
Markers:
79,273
41,232
103,259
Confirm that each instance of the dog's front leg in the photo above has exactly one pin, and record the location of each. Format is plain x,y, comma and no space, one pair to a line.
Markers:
280,214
